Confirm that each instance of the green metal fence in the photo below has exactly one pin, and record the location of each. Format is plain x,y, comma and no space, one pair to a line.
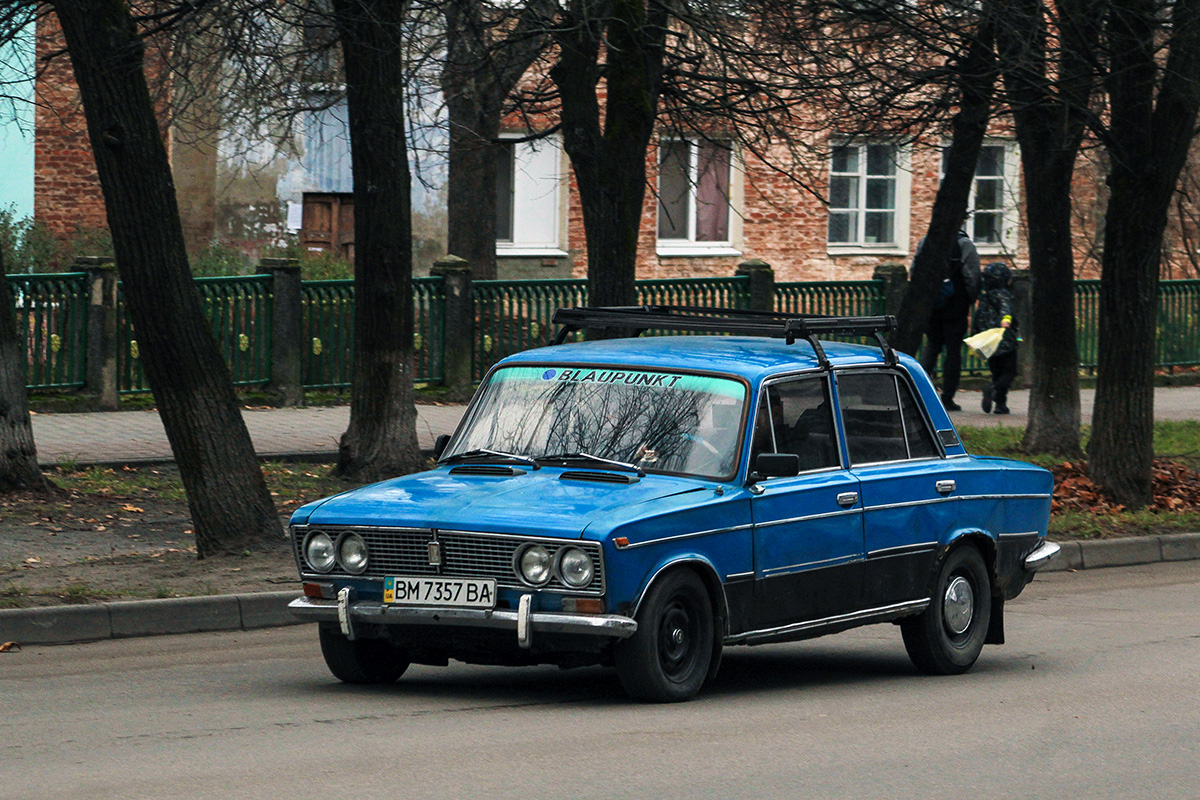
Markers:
848,298
51,311
327,310
511,316
238,310
731,292
328,326
429,329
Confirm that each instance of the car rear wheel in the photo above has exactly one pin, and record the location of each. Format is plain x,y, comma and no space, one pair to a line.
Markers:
948,637
668,659
361,660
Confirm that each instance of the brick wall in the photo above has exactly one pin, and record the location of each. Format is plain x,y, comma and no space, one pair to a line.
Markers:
66,190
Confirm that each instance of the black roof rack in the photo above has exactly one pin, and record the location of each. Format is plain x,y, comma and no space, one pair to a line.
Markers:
789,327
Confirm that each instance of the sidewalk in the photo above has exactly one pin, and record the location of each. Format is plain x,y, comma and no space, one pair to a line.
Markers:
131,437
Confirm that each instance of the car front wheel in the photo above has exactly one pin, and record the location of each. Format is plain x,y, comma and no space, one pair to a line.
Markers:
668,659
361,660
948,637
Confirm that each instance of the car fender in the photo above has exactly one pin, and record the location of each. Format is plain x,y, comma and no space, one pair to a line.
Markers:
703,567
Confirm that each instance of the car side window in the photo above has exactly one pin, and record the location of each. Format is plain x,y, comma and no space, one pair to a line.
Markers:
882,419
796,417
920,440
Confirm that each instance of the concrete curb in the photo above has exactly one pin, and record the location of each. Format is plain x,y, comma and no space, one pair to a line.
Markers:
120,620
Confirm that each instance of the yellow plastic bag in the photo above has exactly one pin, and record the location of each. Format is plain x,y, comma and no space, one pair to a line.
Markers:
984,343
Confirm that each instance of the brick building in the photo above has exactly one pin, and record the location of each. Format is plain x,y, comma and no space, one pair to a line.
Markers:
706,210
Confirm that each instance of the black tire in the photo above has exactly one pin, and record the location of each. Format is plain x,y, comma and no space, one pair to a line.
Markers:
948,637
361,660
668,659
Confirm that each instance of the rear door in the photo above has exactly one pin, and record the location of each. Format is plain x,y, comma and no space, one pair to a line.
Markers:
808,534
908,488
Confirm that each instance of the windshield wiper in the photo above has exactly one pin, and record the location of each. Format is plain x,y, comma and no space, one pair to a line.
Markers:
581,456
483,452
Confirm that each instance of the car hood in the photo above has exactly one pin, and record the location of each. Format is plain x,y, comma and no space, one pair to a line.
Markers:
535,502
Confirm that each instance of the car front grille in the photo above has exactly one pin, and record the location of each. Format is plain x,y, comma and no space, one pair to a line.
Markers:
405,551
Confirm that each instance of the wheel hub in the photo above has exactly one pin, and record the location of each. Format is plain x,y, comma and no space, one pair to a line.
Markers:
958,605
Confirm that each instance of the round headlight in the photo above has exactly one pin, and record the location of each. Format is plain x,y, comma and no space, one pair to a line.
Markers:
318,551
352,553
533,564
575,567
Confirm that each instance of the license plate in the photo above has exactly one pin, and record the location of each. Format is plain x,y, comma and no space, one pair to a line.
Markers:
461,592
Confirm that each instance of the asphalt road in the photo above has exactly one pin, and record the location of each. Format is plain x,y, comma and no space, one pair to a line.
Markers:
1093,697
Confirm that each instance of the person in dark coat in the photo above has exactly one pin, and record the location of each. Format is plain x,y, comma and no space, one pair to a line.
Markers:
995,310
951,315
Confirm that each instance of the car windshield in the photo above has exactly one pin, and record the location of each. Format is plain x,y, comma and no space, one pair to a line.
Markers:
659,421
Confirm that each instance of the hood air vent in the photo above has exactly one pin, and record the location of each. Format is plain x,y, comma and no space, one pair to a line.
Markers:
487,469
598,477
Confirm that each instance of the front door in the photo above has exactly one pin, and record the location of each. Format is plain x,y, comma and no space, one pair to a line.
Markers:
808,529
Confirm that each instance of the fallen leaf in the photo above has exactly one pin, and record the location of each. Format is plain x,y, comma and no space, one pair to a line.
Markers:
4,648
133,509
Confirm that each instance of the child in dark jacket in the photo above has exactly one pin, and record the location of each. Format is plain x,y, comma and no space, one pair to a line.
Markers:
995,310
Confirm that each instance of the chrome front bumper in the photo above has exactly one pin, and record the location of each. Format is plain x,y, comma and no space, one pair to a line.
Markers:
1042,556
523,621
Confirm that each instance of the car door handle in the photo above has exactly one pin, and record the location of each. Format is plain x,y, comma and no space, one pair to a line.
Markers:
847,499
945,487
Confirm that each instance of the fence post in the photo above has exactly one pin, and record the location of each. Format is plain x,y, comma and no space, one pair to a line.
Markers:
895,283
457,346
762,283
1022,292
101,375
287,329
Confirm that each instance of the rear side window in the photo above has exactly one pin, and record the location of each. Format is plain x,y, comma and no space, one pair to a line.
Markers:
882,419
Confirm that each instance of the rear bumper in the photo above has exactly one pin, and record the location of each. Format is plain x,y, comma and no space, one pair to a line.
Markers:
1043,555
522,622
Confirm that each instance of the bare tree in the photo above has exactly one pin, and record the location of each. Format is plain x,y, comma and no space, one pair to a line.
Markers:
227,495
18,452
1152,83
381,440
1050,78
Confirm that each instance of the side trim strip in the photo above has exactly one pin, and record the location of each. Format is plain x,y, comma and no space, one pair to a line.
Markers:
809,517
807,565
881,614
632,545
903,550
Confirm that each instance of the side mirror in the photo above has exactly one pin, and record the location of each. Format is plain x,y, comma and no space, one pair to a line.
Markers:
439,445
775,465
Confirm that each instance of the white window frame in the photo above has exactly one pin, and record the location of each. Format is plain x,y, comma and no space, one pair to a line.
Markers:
669,248
538,203
1010,191
901,208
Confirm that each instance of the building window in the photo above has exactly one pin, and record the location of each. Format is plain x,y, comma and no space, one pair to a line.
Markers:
528,191
868,196
693,197
992,224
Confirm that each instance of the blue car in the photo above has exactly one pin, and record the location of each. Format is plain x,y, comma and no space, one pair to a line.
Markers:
646,502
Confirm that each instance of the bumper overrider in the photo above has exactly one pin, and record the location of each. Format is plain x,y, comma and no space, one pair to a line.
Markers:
1041,556
524,622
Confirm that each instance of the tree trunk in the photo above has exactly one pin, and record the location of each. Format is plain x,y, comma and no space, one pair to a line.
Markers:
609,154
18,453
230,505
977,80
1153,115
474,157
381,440
484,60
1049,127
